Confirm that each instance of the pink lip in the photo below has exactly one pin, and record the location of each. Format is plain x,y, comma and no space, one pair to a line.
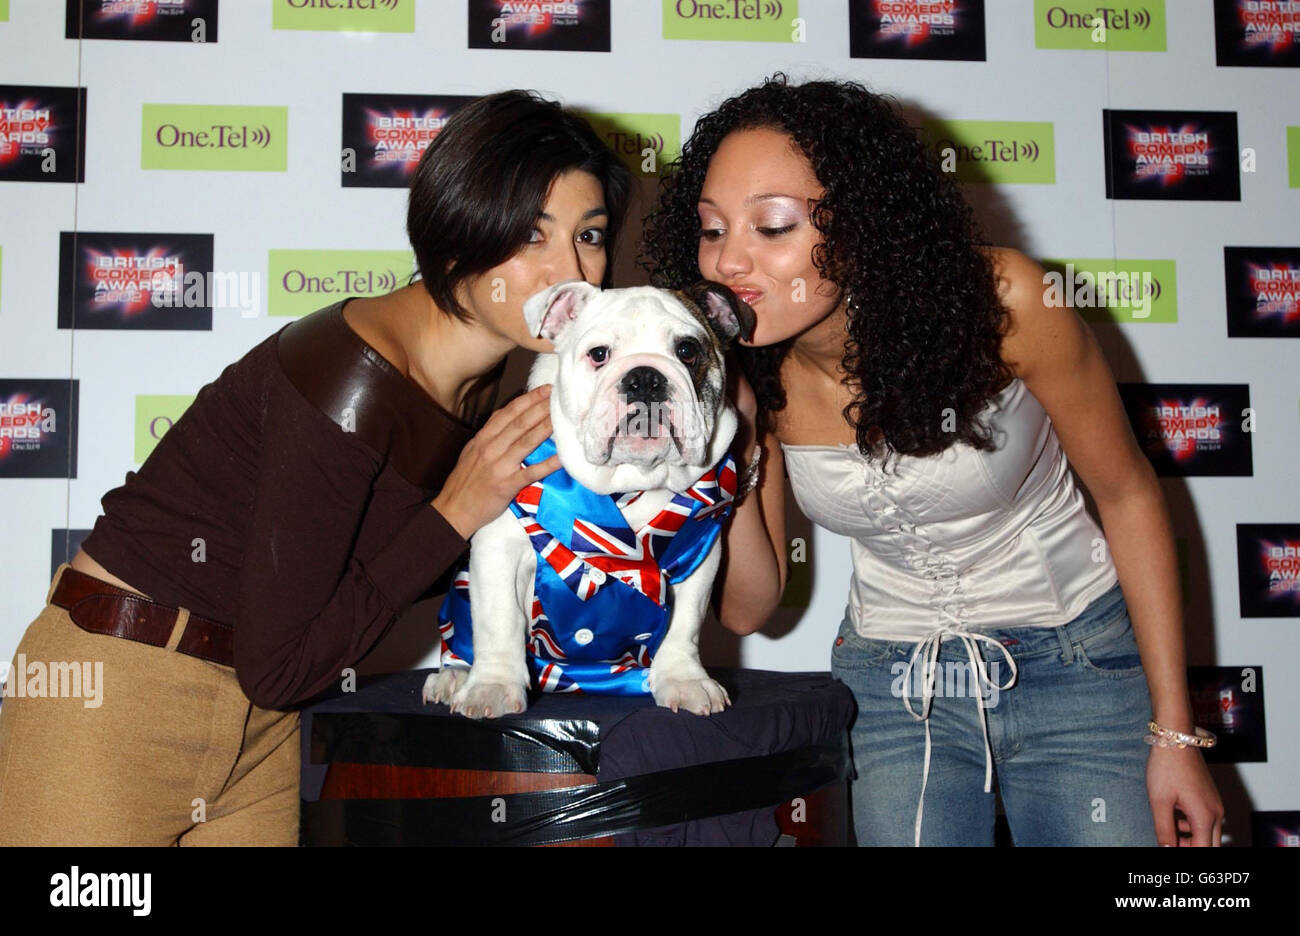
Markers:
748,296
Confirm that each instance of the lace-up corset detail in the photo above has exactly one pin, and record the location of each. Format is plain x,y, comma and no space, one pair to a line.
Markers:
963,539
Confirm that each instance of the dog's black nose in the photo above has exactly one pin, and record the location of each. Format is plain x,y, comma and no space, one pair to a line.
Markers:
645,384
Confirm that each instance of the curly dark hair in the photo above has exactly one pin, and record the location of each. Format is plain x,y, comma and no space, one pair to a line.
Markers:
924,319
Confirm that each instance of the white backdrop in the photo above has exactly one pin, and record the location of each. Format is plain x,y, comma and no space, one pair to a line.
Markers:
251,213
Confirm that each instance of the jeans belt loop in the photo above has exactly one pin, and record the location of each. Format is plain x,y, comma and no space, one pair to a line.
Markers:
1067,650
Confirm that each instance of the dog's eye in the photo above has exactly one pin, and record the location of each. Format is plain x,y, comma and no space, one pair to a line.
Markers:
687,350
598,354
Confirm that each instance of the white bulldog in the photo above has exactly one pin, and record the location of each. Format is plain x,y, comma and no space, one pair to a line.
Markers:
637,404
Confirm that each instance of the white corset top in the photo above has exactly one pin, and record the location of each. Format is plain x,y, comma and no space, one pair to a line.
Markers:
960,543
965,540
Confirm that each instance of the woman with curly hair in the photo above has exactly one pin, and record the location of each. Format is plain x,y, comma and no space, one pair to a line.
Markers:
925,399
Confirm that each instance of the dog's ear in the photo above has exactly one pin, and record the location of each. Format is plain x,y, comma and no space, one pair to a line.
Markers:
726,313
550,311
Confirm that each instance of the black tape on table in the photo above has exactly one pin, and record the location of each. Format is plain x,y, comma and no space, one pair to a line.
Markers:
541,745
647,801
691,778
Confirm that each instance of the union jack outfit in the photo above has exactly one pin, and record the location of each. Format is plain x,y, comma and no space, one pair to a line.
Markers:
601,599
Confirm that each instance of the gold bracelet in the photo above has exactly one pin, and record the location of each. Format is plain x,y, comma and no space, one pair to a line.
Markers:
1167,737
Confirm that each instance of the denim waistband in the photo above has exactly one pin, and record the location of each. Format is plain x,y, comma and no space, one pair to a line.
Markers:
1105,611
1108,610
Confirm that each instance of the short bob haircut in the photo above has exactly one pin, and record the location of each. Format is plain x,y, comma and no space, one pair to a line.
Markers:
479,187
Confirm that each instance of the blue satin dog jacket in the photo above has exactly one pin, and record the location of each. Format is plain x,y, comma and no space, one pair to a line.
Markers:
600,600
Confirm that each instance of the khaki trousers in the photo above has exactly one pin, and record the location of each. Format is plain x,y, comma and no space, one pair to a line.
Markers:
161,749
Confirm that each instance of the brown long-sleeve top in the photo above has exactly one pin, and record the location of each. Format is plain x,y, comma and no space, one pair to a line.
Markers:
291,500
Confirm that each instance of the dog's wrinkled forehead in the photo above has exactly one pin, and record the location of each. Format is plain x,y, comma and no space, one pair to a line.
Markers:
647,305
715,310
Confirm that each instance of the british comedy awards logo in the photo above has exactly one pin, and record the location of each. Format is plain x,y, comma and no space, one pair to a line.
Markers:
1192,429
1229,701
42,134
1268,569
1262,285
1275,828
917,29
384,135
1171,155
155,20
135,281
575,26
38,428
1257,33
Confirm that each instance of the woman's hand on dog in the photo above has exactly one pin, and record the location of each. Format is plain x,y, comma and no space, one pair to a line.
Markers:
488,474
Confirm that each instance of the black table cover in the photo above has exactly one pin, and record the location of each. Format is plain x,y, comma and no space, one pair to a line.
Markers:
664,778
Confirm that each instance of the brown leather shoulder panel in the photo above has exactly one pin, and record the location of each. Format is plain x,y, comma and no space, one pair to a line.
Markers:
360,390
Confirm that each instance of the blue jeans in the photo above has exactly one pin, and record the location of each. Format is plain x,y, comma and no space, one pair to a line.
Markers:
1066,735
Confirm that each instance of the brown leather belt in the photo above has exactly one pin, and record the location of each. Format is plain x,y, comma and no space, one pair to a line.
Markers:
101,608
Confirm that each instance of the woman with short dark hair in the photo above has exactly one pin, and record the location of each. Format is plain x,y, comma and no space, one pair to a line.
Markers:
321,485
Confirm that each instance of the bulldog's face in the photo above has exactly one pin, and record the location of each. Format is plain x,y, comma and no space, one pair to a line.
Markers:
638,375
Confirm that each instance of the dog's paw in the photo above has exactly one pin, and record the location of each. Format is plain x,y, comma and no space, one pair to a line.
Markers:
489,699
702,696
442,685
